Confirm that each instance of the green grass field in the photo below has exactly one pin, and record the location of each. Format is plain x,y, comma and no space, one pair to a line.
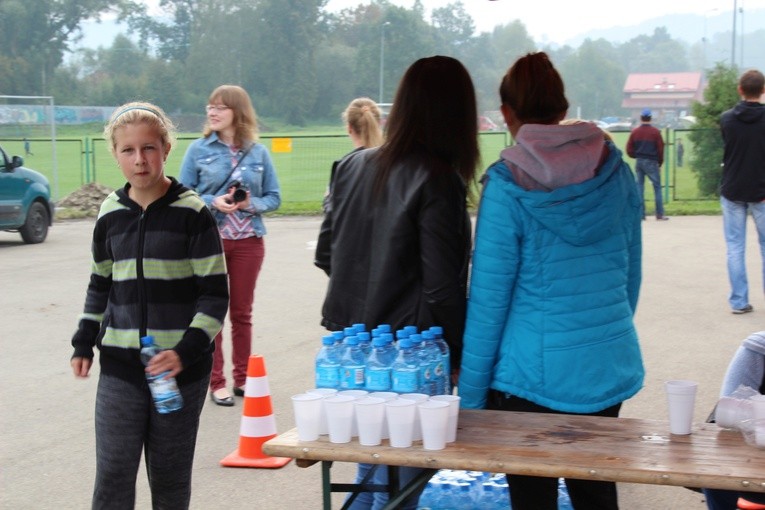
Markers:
82,157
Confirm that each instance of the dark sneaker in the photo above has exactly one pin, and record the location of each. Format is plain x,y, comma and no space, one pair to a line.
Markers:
239,392
662,218
746,309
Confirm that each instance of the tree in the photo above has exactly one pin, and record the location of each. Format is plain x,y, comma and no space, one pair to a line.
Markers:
36,34
719,96
286,36
454,26
594,79
656,53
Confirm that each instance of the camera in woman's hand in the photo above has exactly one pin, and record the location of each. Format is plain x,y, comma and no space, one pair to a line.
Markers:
240,192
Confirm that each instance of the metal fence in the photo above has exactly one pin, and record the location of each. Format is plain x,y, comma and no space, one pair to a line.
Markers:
303,162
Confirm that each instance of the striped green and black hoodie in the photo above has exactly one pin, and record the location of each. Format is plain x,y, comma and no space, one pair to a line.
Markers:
157,272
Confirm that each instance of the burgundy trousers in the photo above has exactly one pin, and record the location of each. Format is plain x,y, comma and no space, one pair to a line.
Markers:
244,258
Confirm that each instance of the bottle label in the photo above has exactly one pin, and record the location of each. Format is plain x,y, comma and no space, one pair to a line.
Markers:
406,381
378,379
352,378
167,397
327,376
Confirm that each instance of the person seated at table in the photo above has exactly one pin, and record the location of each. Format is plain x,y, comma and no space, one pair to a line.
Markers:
555,277
747,368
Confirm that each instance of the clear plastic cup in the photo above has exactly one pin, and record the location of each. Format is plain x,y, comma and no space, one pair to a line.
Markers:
418,398
339,417
307,409
454,413
400,415
434,422
325,393
370,416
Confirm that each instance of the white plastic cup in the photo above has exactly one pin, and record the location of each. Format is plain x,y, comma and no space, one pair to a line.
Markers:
454,413
356,394
681,397
325,393
400,414
339,417
730,412
370,416
434,421
385,395
417,398
307,409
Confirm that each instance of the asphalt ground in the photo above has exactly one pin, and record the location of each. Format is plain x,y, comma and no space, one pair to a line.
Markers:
47,454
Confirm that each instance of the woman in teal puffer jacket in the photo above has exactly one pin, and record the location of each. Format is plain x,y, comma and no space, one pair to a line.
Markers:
555,277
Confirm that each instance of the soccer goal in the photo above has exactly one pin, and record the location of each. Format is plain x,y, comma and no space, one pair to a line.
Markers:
28,129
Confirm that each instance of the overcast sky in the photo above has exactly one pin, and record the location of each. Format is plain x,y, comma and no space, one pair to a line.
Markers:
547,21
560,20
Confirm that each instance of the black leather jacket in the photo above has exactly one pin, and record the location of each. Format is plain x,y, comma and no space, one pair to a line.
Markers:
399,257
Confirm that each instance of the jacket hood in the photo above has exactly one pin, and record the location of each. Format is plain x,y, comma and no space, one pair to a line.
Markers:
581,213
749,111
549,157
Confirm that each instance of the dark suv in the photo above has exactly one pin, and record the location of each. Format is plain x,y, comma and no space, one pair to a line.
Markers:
25,204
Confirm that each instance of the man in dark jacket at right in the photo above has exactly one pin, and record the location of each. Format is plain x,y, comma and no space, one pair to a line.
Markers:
743,181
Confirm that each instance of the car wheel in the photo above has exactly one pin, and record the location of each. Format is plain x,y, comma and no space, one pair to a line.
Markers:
35,229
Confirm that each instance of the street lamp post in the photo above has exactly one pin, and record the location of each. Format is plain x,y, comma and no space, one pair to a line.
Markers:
733,38
382,56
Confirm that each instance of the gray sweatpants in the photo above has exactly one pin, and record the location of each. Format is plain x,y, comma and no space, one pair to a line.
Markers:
126,424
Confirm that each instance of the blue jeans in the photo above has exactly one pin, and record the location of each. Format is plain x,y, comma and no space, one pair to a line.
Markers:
650,168
734,227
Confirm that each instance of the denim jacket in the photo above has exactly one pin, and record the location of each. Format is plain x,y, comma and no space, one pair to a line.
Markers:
207,163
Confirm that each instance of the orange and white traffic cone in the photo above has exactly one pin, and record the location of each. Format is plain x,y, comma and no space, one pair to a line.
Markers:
258,422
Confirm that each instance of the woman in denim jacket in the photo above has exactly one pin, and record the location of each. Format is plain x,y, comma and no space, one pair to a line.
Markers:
234,175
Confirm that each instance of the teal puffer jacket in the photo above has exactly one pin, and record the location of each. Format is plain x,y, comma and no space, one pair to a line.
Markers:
553,291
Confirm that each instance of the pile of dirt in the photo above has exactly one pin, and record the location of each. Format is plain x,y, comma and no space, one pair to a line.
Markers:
85,201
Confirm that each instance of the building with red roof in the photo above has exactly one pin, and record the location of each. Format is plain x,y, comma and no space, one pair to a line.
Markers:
667,95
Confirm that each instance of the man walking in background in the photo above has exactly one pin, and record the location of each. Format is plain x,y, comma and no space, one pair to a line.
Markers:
647,147
743,181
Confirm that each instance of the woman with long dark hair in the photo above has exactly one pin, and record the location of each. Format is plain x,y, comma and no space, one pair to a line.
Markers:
400,232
